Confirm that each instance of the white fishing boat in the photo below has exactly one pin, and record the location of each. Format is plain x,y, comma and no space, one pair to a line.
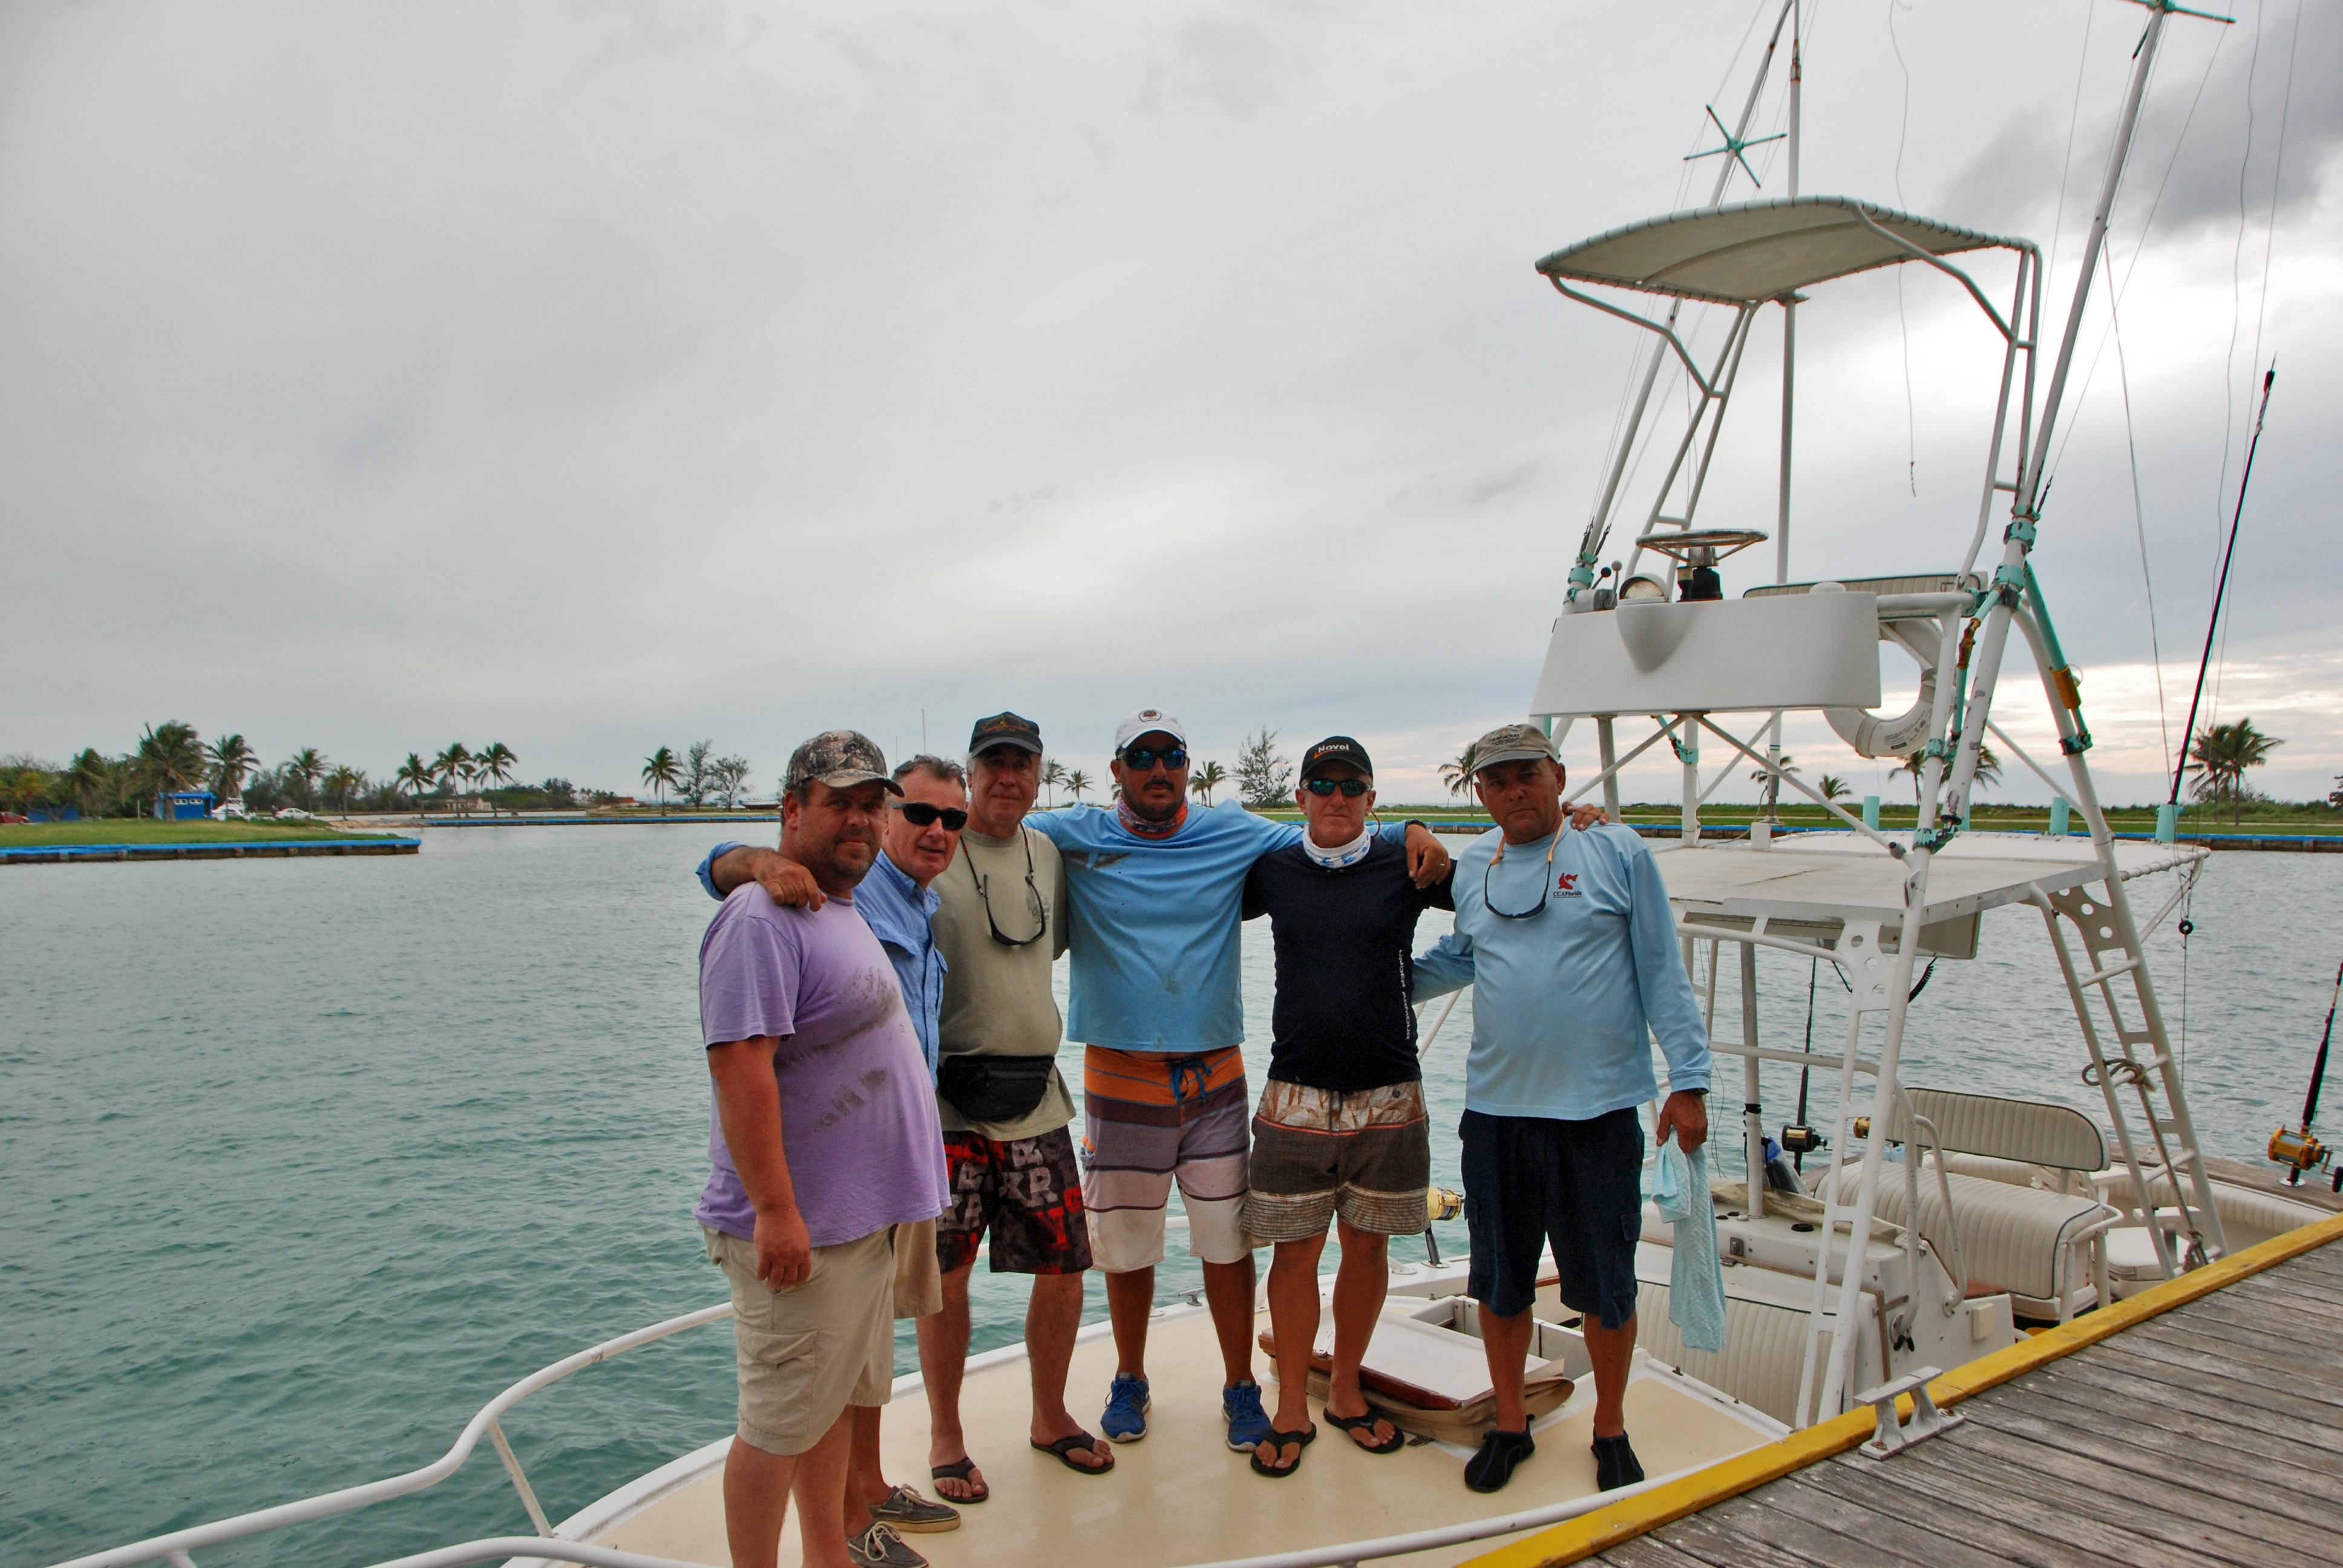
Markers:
1931,1226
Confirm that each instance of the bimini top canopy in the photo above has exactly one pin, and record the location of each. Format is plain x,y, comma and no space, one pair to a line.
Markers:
1758,250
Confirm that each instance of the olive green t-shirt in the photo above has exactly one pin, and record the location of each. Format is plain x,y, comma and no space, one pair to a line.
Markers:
997,998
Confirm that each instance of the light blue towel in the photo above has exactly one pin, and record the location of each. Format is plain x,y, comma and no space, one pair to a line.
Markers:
1696,1280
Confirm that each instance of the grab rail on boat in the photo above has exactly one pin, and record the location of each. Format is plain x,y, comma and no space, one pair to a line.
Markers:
175,1546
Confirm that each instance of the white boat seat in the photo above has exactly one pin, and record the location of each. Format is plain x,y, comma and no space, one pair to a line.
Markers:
2015,1239
1765,1351
2026,1131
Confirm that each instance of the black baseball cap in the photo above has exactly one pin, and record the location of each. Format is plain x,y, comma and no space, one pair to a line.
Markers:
1004,730
1335,749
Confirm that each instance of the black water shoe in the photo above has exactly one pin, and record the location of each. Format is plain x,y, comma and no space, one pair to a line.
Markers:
1614,1463
1500,1452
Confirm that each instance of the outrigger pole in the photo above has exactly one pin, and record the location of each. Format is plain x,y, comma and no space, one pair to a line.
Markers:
2189,731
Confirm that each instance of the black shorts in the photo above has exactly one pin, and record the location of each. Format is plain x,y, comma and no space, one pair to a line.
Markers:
1027,1192
1530,1181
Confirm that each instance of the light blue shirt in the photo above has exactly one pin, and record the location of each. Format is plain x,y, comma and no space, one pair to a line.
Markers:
1566,1002
899,912
1154,923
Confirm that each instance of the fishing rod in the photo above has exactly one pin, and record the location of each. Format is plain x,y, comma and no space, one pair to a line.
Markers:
2299,1150
2189,731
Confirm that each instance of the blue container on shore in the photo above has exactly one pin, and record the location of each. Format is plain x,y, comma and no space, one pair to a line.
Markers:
186,805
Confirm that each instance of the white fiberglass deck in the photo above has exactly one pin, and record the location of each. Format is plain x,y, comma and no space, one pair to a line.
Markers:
1181,1495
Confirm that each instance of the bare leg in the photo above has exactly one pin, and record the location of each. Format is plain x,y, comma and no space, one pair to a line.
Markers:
1051,1316
1129,1298
943,1363
756,1502
1506,1342
1613,1352
1360,1286
1293,1319
1228,1291
820,1491
866,1485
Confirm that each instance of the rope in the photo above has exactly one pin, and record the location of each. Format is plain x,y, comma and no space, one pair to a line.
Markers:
2139,518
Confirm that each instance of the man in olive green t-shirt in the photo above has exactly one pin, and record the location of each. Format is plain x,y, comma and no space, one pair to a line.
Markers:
1005,1105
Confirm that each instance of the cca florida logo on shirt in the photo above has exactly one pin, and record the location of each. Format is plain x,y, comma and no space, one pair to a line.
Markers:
1566,884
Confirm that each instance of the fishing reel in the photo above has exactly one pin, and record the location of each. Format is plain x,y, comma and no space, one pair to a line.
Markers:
2299,1150
1444,1203
1802,1139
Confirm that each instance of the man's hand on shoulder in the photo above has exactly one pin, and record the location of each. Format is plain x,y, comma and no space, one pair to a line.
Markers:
1427,862
784,1248
1687,1113
1582,817
790,883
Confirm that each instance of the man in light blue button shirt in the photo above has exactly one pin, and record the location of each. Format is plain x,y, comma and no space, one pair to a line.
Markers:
1566,937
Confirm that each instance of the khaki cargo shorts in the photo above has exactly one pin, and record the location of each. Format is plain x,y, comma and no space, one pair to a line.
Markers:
807,1352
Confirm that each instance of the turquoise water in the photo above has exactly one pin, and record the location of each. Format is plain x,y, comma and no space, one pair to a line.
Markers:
305,1159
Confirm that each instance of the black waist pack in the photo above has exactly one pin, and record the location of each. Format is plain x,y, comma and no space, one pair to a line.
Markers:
995,1088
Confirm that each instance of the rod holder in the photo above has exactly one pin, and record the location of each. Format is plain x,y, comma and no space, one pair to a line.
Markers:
2061,817
2168,822
1871,812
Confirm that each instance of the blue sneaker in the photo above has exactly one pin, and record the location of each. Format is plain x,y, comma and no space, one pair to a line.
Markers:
1249,1424
1127,1403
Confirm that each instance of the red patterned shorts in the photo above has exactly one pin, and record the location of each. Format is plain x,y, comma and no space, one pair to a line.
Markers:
1029,1193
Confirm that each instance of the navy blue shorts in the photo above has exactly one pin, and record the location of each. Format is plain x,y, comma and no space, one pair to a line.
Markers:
1530,1180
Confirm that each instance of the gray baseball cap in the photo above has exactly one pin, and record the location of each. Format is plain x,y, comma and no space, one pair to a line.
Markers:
1512,743
840,758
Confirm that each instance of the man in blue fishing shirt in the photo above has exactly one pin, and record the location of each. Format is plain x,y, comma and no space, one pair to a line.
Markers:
1567,940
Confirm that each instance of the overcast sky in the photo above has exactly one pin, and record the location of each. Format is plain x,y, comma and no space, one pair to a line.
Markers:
596,377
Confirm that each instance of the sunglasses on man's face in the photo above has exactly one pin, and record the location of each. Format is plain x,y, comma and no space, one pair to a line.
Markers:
1352,789
1143,758
919,814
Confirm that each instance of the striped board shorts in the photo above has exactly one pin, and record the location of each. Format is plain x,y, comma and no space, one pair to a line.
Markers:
1320,1152
1150,1117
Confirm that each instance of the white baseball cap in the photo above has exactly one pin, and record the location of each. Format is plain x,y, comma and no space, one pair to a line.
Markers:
1147,721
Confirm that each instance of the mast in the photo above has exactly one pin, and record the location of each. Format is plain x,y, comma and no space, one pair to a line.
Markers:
1763,832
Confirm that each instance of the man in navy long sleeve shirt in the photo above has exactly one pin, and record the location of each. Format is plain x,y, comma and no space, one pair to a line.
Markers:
1568,939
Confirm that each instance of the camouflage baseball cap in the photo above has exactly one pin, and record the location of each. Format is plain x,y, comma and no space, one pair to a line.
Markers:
840,758
1512,743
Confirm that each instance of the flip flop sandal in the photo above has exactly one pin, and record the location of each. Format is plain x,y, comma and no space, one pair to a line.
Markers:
959,1471
1301,1439
1393,1444
1065,1447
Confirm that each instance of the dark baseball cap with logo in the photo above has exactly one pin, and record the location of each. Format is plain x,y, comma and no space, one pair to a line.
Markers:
1004,730
1336,748
840,758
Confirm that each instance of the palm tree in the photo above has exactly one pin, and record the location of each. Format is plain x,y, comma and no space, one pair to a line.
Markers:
1459,773
1076,783
2220,756
342,783
1053,773
1989,769
1772,785
308,765
1208,778
662,772
232,761
170,756
417,775
453,766
1833,788
495,766
86,777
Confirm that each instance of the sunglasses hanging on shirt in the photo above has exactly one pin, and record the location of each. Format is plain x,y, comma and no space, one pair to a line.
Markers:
1545,884
1032,895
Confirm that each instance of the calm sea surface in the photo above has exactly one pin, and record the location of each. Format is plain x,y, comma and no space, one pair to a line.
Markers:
303,1160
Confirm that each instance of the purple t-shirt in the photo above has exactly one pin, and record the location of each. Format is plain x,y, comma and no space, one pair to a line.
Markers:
858,1108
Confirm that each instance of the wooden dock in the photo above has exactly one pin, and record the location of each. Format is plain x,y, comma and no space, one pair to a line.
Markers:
2198,1423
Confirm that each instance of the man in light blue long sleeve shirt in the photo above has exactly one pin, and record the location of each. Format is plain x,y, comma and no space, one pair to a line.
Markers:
1567,939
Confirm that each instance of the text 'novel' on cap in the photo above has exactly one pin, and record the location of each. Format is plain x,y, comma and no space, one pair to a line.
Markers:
1336,748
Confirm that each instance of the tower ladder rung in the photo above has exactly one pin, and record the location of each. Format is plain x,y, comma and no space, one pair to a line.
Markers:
2100,976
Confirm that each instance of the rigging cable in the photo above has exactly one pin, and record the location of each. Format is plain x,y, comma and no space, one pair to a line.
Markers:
1911,423
2221,586
2067,167
2139,516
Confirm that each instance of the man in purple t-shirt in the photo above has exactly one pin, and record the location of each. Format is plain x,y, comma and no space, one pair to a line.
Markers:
822,1139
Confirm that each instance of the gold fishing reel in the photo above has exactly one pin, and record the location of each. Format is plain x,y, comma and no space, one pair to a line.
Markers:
2298,1150
1444,1203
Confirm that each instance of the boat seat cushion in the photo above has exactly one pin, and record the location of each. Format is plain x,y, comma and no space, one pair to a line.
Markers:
2015,1239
